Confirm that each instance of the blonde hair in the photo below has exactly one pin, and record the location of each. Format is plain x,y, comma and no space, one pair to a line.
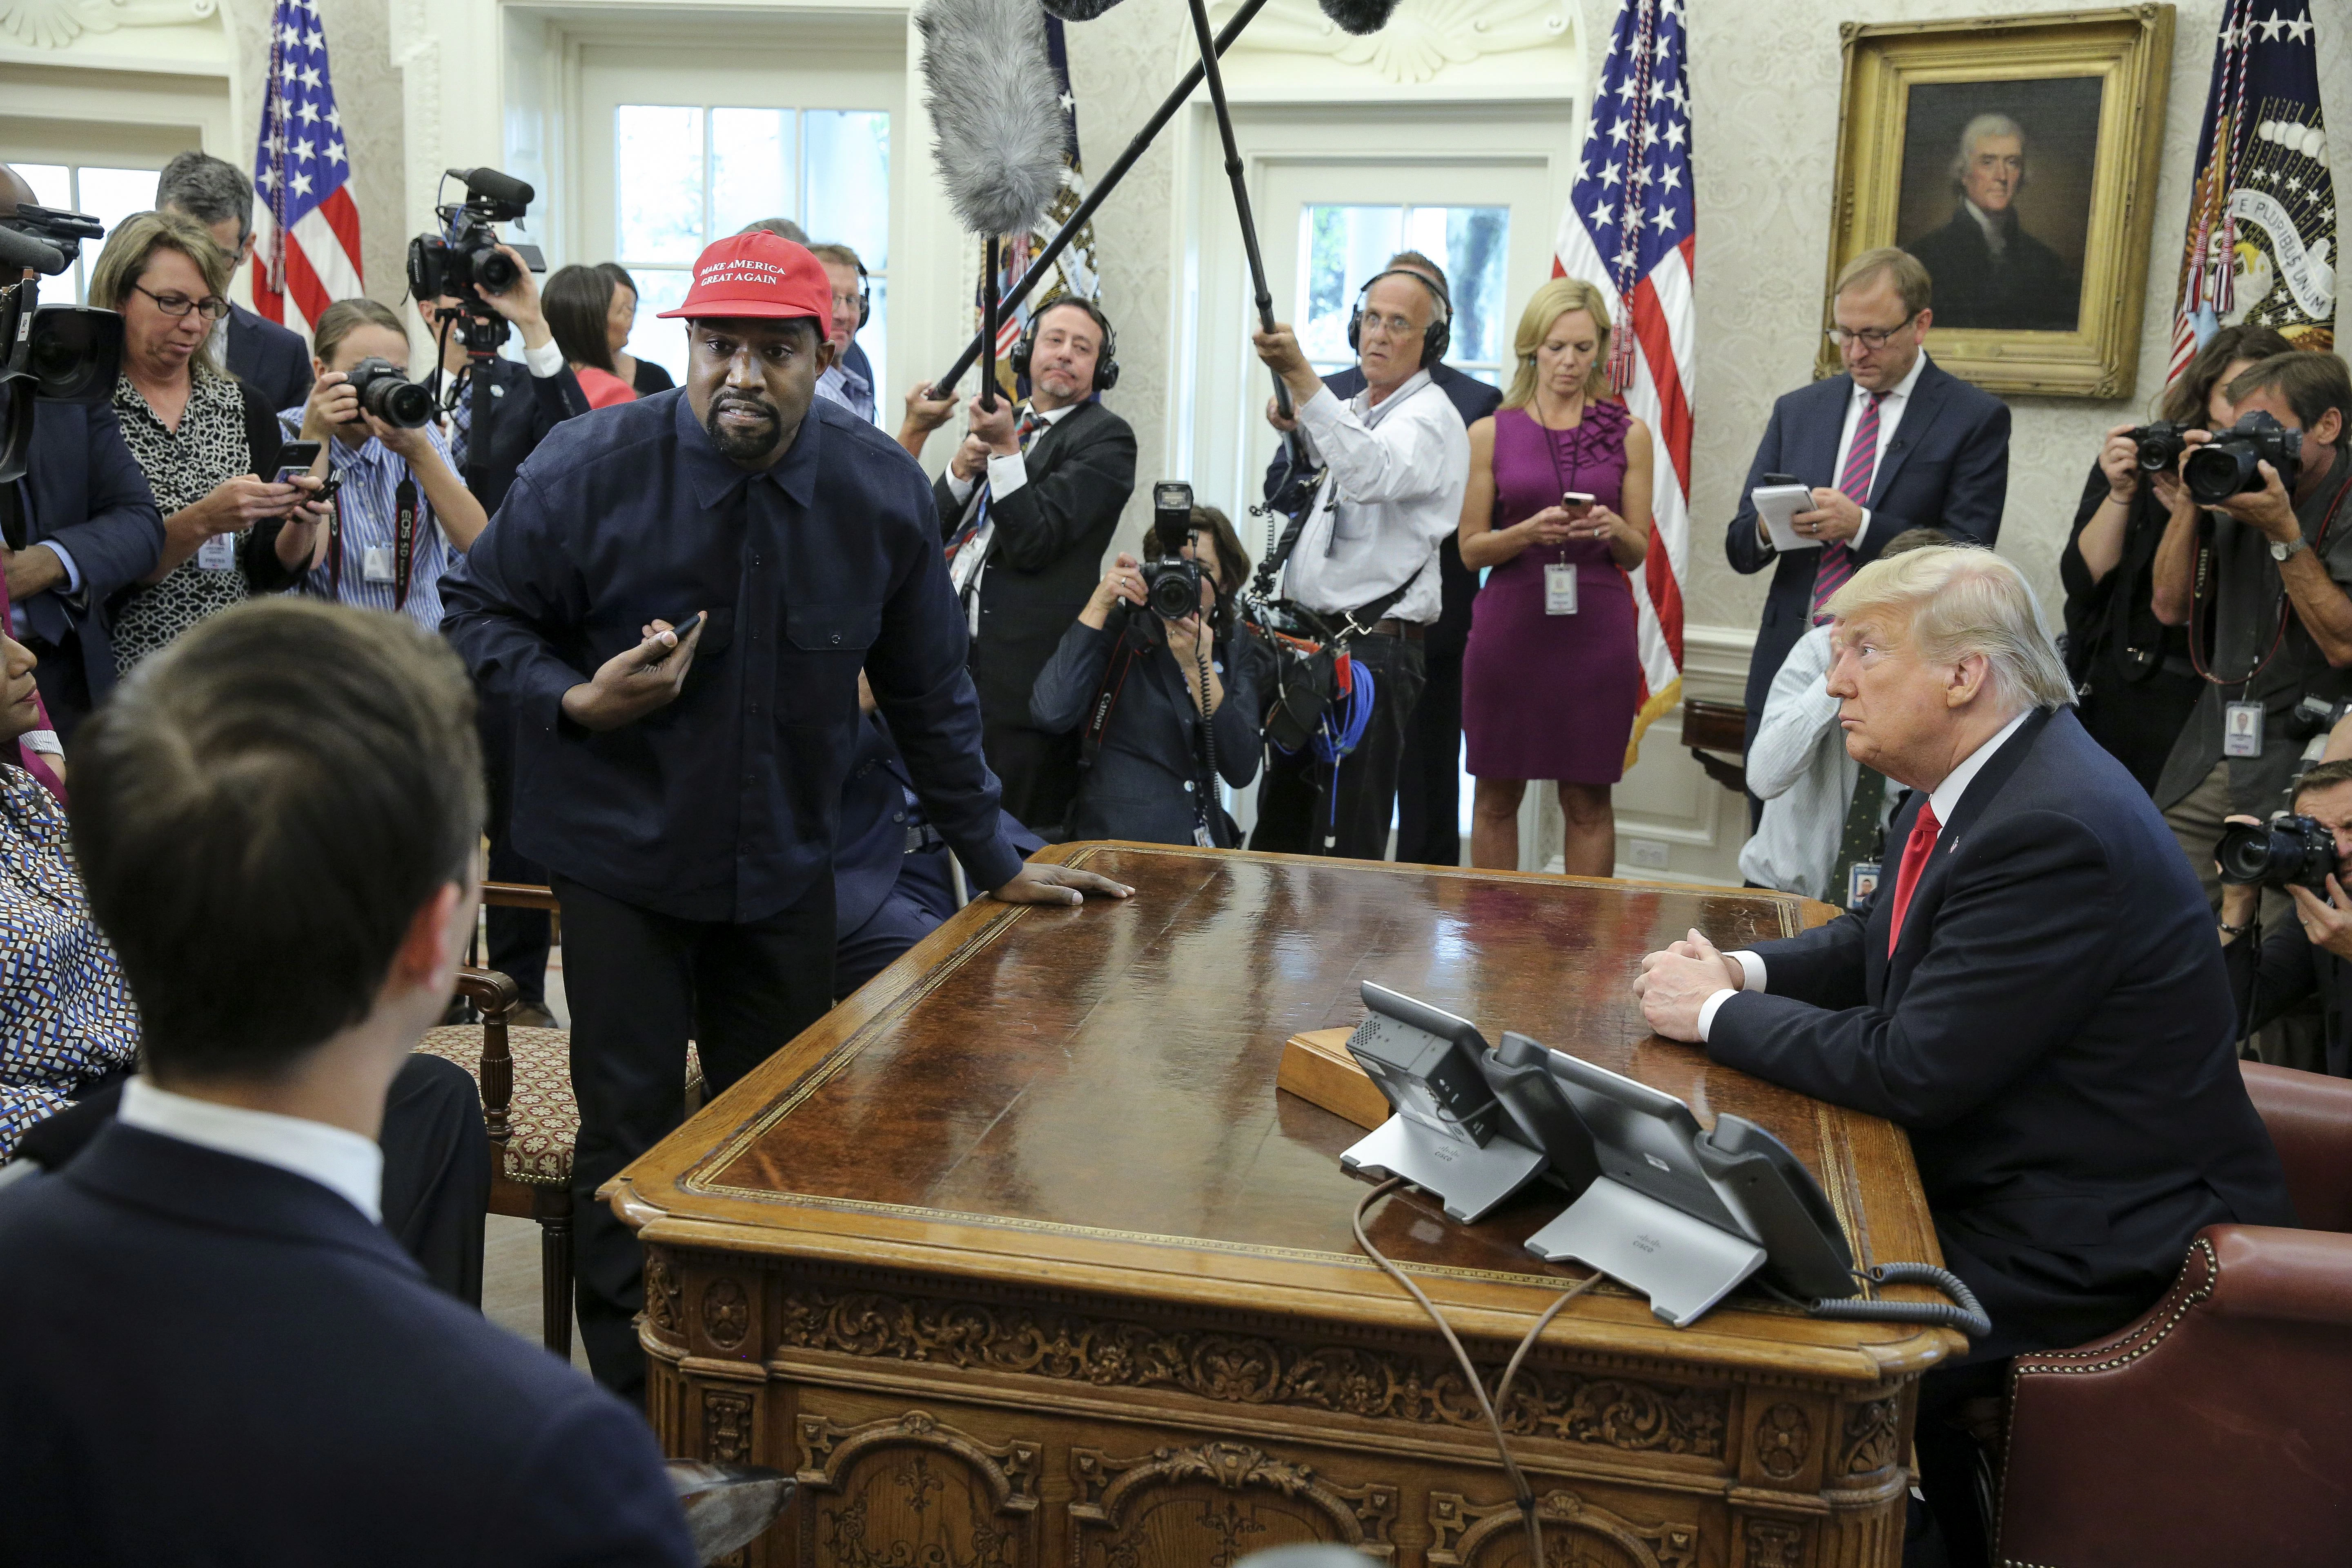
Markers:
1960,600
345,317
1545,306
133,244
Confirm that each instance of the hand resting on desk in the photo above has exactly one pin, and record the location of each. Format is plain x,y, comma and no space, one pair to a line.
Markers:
1676,983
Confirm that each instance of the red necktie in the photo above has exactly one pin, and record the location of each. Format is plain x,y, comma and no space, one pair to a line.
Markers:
1916,850
1836,563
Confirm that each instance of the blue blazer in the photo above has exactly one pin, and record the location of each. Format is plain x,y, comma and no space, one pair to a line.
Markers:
869,847
2056,1031
88,495
268,358
1947,467
225,1363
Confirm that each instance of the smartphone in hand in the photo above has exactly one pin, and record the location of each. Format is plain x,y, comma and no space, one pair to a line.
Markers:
295,459
1577,505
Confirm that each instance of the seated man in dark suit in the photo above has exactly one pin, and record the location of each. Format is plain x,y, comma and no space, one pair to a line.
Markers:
1990,273
278,821
264,355
2033,991
1892,443
1027,508
1429,778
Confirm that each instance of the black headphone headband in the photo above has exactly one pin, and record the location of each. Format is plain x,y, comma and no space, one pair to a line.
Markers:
1435,338
1105,362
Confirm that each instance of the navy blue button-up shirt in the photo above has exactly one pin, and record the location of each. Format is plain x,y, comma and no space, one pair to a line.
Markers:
721,805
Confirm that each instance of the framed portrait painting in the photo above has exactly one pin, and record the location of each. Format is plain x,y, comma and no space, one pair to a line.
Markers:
2016,157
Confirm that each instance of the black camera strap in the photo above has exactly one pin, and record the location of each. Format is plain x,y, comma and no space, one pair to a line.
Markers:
1106,693
404,524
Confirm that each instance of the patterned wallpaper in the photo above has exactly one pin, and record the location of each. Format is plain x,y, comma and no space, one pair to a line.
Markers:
1764,134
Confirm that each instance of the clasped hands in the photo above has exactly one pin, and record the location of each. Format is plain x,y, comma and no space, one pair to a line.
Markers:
1674,983
1557,525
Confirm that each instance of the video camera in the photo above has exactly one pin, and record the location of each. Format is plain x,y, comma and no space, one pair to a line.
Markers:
69,353
2228,464
2285,852
466,253
1172,585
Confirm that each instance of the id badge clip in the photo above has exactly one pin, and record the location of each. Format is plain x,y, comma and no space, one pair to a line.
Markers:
1560,588
2242,730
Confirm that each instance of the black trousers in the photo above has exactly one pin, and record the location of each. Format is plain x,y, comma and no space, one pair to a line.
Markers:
1039,773
436,1163
1303,810
1429,778
1954,1467
520,939
641,984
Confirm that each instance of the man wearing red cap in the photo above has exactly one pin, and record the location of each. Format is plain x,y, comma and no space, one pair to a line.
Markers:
675,600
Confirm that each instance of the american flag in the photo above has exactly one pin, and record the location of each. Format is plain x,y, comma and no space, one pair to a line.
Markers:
1631,229
2262,242
1074,269
308,244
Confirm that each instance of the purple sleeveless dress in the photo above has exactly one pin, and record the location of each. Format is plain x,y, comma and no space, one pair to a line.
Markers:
1553,697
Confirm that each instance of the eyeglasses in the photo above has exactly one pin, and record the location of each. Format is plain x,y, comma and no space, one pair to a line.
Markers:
212,306
1871,338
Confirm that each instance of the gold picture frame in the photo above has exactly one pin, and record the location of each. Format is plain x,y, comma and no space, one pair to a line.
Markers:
2080,95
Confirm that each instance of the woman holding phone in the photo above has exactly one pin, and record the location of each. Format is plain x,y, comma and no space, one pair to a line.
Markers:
1557,515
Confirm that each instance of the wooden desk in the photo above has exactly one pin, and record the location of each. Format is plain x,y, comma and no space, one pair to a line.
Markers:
1018,1257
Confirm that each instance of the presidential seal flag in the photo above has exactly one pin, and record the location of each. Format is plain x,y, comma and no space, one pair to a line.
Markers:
2262,218
307,228
1631,230
1073,269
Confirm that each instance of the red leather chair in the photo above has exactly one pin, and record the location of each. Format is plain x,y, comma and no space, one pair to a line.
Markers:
2218,1427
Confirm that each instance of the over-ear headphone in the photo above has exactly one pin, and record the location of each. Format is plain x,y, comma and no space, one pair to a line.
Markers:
1105,362
865,297
1434,339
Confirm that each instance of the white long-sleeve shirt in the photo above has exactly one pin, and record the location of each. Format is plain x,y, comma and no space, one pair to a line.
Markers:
1397,473
1798,766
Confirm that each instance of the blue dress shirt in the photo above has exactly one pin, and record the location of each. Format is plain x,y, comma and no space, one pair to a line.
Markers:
721,805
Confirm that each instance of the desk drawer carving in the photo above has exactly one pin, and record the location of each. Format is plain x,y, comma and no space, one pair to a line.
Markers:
1241,1368
1213,1504
1577,1534
913,1491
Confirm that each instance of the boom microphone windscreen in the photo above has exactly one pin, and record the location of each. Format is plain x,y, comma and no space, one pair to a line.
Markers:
996,108
1078,10
496,185
19,251
1359,16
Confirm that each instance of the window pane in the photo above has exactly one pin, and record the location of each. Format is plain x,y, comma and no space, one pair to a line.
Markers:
849,181
664,343
110,195
53,187
1340,248
751,167
658,159
1473,249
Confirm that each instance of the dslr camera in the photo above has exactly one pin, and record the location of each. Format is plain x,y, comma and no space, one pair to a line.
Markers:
1172,585
390,395
2285,852
466,252
2228,464
2160,444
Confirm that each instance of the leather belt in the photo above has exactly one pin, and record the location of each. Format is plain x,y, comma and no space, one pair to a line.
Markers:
1412,631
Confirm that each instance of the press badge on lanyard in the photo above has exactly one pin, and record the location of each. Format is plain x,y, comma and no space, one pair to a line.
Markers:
375,563
218,553
2242,730
1560,588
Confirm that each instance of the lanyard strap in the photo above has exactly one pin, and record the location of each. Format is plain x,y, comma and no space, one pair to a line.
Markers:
405,520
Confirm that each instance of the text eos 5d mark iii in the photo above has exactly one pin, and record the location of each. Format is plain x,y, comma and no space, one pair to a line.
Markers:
1172,585
2285,852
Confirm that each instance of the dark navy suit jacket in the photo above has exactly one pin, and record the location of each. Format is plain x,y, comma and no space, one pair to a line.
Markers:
2054,1030
208,1360
266,357
1947,467
88,494
869,848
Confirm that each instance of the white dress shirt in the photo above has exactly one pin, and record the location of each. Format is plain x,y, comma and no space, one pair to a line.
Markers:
1890,414
1397,470
335,1157
1008,472
1943,800
1799,767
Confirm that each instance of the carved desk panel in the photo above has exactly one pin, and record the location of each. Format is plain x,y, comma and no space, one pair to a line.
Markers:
1018,1257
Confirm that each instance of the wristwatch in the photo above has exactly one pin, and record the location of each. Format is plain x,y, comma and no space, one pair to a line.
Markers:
2283,553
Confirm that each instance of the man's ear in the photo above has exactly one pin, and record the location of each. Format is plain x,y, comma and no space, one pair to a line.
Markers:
2330,428
826,354
435,944
1968,681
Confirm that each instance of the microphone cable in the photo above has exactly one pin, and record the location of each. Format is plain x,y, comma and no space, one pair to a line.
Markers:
1522,1493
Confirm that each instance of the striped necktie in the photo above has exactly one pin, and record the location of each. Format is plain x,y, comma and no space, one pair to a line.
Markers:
1836,563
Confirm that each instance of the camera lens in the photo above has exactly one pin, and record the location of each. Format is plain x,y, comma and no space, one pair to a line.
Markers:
390,395
2245,854
2219,470
493,271
1173,588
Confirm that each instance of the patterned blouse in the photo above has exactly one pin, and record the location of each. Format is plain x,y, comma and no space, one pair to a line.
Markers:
66,1014
183,467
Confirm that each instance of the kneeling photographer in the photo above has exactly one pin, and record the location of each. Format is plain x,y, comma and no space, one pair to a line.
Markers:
401,517
2301,854
2262,557
1138,671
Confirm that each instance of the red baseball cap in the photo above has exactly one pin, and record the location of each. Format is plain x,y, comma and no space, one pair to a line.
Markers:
758,274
